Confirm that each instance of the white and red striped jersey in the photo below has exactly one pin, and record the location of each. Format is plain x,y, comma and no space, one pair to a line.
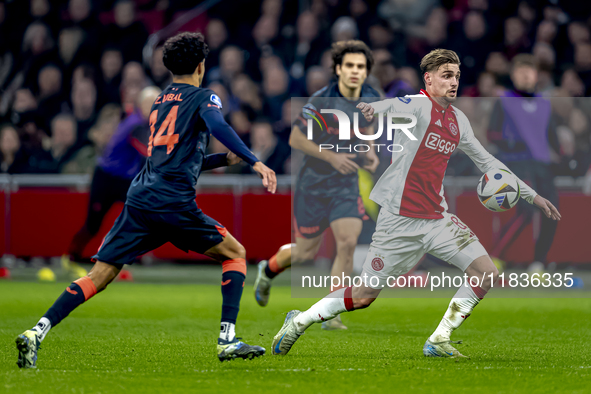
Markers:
413,184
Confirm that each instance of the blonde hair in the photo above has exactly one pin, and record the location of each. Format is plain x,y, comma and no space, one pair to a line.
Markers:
437,58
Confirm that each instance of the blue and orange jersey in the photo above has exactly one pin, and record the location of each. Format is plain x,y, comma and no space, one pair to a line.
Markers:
176,149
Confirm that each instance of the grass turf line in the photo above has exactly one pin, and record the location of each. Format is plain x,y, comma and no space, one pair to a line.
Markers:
161,338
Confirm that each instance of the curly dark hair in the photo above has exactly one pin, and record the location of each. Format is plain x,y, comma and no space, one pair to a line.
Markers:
183,52
341,48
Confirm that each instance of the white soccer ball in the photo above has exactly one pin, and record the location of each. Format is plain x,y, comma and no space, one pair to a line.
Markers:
498,190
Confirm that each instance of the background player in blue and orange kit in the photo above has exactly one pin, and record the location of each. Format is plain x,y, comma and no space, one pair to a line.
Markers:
160,204
327,191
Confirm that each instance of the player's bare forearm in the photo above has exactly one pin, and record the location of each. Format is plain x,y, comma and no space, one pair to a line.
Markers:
298,140
547,207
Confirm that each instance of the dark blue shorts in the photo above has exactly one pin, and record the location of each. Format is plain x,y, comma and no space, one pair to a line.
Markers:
136,232
314,214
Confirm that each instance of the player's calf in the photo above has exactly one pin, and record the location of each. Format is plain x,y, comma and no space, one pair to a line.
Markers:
465,300
78,292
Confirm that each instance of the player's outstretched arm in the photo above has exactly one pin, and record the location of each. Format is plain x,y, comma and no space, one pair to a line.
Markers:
217,160
340,161
221,130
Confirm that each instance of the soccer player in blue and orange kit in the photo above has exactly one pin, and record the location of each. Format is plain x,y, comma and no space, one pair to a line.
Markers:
161,206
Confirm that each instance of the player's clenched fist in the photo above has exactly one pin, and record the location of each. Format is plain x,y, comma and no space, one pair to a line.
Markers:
268,176
367,110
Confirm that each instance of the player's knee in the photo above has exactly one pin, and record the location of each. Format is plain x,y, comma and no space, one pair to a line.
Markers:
240,251
234,251
346,244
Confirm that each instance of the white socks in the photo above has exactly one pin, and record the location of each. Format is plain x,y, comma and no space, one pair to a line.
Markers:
227,331
460,307
42,328
325,309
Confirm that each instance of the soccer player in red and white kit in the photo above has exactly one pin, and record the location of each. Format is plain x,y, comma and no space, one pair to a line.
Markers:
413,219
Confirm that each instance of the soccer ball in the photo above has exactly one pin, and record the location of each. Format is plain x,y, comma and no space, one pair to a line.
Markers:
498,190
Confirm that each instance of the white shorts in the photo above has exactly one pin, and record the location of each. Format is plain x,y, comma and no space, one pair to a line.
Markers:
399,243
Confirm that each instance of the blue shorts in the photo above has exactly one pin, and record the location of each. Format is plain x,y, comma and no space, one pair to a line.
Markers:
136,232
314,214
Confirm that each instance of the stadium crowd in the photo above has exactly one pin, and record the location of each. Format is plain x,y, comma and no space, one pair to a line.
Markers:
71,70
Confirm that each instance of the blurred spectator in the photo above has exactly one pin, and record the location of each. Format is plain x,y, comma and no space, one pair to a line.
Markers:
69,45
83,107
546,57
50,96
431,35
387,76
360,11
247,93
63,143
81,15
133,80
515,40
304,49
472,46
497,64
572,83
316,78
158,71
111,67
38,49
583,64
486,86
216,36
546,32
24,104
42,11
231,64
381,36
264,31
408,16
267,147
241,121
282,128
326,61
344,29
84,159
130,35
12,159
410,76
275,90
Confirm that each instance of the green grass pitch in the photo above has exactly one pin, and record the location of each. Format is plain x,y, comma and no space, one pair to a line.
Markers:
161,338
